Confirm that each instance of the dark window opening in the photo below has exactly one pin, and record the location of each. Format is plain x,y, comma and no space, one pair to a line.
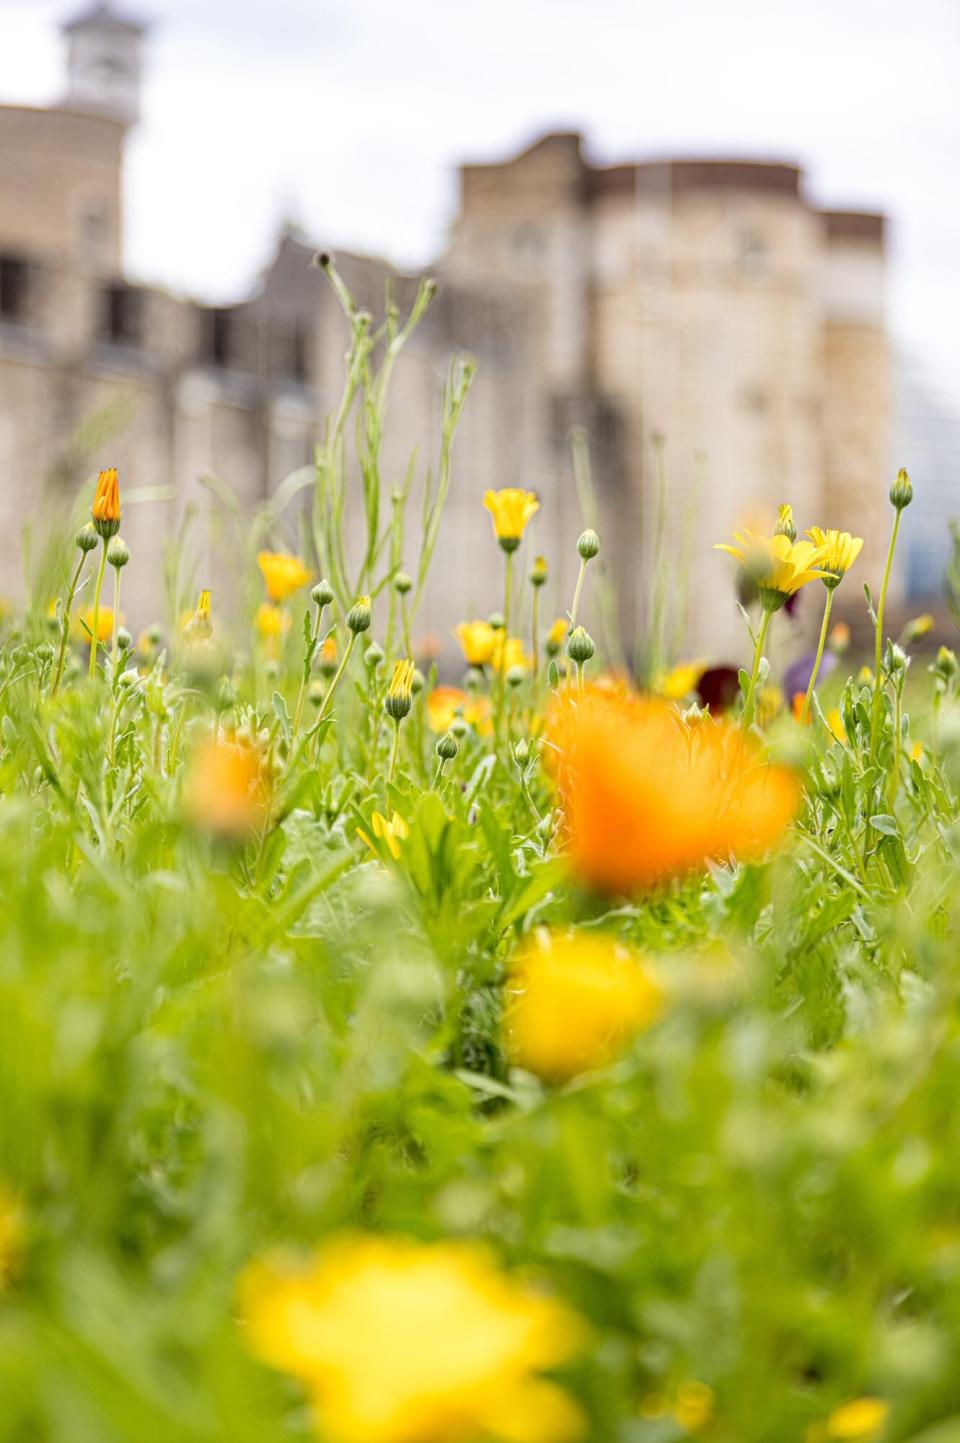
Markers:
217,342
14,288
123,316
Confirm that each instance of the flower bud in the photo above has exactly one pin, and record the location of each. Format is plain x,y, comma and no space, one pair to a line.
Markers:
553,675
399,698
316,692
327,664
402,582
521,752
901,492
118,553
588,544
87,538
419,681
360,615
373,655
946,663
538,571
322,594
447,747
124,639
459,726
495,619
516,675
786,526
580,647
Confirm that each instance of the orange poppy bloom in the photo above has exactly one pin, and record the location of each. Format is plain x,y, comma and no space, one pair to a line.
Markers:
444,702
224,790
646,796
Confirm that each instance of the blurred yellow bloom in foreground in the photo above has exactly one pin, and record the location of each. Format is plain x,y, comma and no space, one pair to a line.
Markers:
11,1235
573,1002
694,1406
404,1342
511,509
282,575
557,635
224,791
477,640
862,1419
391,832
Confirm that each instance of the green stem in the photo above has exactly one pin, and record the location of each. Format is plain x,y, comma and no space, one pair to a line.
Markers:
501,669
308,660
576,594
394,752
336,677
819,657
96,612
116,610
748,706
878,647
65,633
536,632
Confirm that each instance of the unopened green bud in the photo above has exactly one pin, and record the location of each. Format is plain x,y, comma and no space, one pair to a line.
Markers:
901,492
447,747
360,615
87,538
154,634
521,752
516,675
419,681
118,553
124,639
588,544
322,594
580,647
946,662
373,655
316,692
397,705
553,676
128,678
495,619
402,582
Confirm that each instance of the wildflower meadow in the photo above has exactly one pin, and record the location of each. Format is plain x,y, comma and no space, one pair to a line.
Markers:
541,1053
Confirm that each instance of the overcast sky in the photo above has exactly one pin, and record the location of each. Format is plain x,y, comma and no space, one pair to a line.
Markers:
349,116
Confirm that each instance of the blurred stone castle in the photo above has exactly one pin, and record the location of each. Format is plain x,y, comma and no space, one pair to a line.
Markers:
707,301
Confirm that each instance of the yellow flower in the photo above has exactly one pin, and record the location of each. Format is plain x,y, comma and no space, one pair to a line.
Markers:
224,790
406,1342
557,635
834,721
777,565
694,1405
199,626
511,509
445,703
282,575
916,752
399,696
679,681
507,652
106,504
477,639
863,1419
838,551
918,626
82,625
11,1236
573,1002
271,622
391,833
328,656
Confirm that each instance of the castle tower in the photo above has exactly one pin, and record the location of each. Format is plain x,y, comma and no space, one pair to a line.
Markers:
104,64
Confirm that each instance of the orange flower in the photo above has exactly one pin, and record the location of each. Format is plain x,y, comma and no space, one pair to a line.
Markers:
444,702
106,504
282,575
646,796
224,790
